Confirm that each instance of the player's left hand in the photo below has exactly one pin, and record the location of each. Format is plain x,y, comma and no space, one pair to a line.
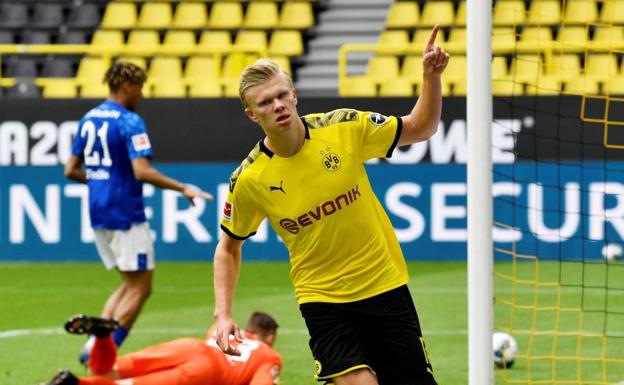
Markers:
435,58
191,193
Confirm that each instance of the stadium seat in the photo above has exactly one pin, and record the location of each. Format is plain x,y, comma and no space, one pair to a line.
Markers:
91,70
13,15
580,12
35,37
251,40
357,86
601,66
24,89
230,88
499,68
381,68
412,69
286,43
536,37
565,67
216,39
143,42
57,67
437,12
21,67
296,15
503,37
612,12
396,87
545,12
169,89
456,69
119,16
155,16
7,37
459,87
403,14
164,69
94,90
178,43
460,15
261,15
509,13
108,38
205,89
283,62
233,65
581,86
226,15
615,86
136,60
83,15
608,38
190,16
572,38
47,16
60,88
457,37
395,37
526,68
421,37
506,87
199,68
544,86
72,37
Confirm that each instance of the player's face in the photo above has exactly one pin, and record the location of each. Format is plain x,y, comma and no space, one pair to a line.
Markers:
273,105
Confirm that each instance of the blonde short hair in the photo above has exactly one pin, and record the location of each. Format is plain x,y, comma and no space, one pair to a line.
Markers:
259,73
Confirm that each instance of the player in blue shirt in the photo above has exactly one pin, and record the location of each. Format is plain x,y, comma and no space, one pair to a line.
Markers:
111,154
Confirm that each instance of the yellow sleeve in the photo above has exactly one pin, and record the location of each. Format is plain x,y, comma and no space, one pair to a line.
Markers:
379,136
242,213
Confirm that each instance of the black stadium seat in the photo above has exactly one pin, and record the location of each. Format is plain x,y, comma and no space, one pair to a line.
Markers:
21,67
13,15
83,16
6,37
35,37
24,89
57,67
47,16
72,37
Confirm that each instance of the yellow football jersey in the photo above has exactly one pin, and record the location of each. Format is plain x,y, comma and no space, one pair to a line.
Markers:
320,202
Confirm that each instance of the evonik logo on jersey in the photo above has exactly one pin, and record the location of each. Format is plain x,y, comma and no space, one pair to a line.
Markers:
321,211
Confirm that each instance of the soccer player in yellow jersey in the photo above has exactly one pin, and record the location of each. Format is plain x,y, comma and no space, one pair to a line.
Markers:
307,177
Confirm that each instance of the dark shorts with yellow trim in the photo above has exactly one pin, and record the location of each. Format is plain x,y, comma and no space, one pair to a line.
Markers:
381,333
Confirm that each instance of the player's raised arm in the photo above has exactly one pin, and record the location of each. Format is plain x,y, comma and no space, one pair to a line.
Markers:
422,122
227,261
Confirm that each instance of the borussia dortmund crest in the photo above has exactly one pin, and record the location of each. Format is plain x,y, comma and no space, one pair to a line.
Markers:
331,160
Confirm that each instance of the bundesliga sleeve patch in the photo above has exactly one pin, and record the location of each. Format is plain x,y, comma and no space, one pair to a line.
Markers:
141,142
227,211
377,119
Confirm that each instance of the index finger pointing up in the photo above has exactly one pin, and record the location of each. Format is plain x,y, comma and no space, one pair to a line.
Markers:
432,37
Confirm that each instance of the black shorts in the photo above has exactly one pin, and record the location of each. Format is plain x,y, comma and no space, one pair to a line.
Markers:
381,333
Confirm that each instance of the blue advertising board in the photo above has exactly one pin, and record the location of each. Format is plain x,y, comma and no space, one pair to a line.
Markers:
546,209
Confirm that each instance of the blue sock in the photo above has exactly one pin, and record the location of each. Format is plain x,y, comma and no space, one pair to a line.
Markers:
119,335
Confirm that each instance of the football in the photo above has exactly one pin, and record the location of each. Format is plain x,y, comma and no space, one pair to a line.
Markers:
505,350
612,251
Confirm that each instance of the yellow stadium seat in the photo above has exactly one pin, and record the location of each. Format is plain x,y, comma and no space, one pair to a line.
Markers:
446,87
226,15
136,60
119,16
615,85
169,89
91,70
155,16
581,86
202,68
283,62
612,12
564,67
509,13
506,87
108,38
216,39
396,87
572,38
437,12
60,88
205,89
251,40
608,38
381,68
178,43
456,69
460,16
545,12
142,42
580,12
544,86
601,66
261,15
458,38
233,65
499,67
526,68
230,88
357,86
396,37
286,43
504,35
296,15
190,16
164,69
536,38
421,37
94,89
403,14
412,69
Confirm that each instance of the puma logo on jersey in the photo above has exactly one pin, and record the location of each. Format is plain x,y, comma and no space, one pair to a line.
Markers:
325,209
280,188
